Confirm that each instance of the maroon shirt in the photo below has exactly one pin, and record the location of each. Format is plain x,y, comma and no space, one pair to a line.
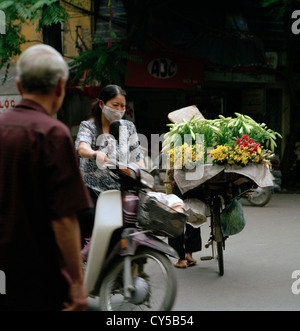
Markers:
40,181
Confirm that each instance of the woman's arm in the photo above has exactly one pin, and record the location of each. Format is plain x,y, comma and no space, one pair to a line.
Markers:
85,150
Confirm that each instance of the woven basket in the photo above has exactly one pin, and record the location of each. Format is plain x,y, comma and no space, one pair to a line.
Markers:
159,218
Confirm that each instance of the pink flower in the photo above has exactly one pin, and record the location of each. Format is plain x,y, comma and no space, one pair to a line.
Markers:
238,140
245,137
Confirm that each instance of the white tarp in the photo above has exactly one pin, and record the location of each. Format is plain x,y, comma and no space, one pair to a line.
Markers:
259,173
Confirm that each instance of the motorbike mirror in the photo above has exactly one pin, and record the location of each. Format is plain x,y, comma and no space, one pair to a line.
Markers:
114,129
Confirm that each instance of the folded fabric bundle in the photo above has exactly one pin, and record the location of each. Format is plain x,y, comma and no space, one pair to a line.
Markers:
197,211
171,200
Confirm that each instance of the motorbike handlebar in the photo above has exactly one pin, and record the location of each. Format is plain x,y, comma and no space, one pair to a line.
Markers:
133,171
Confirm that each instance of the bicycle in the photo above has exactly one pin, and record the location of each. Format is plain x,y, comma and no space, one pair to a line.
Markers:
217,192
216,239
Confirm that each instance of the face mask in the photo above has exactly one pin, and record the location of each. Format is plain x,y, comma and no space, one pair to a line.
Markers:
112,114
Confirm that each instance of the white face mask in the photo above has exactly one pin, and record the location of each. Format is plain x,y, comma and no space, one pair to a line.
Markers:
112,114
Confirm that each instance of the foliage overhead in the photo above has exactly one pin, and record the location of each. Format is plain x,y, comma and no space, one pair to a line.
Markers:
42,12
104,64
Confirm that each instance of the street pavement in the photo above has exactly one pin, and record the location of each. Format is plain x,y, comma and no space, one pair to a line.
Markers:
259,263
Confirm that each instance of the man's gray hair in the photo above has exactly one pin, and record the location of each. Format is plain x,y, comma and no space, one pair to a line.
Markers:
40,68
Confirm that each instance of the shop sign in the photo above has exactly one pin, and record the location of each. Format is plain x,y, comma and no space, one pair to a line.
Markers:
7,102
167,70
162,68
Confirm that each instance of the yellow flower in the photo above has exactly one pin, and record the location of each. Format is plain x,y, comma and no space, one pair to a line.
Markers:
236,154
185,155
244,160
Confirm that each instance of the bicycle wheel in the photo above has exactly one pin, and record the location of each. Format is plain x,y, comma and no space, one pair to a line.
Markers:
217,235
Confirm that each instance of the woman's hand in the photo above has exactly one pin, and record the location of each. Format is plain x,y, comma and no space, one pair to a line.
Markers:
85,150
101,158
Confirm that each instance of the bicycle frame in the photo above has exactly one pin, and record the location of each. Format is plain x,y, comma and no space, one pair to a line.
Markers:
216,239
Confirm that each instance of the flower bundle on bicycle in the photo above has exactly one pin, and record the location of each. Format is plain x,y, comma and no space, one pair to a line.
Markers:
240,140
242,152
185,155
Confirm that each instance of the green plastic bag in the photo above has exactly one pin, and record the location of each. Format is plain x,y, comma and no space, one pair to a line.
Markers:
232,218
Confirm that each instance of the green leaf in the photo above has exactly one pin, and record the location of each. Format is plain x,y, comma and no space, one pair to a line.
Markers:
6,4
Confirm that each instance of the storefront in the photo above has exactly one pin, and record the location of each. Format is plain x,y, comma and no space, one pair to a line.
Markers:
9,94
165,81
158,84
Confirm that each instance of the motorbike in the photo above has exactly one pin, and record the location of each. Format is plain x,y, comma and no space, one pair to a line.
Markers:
128,265
259,196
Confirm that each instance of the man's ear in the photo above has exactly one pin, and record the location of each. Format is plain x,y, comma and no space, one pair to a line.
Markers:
19,86
60,88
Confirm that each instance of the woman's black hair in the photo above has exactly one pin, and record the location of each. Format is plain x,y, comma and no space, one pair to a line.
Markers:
107,93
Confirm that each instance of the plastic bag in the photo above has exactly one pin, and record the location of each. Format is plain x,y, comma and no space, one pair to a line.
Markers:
196,211
232,218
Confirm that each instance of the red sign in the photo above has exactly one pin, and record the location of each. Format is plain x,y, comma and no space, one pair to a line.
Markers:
7,102
168,70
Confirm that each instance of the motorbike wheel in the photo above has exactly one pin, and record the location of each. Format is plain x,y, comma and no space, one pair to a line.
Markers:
260,196
153,280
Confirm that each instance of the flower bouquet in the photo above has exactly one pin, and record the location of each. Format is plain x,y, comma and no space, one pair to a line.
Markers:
242,152
239,140
240,147
185,156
